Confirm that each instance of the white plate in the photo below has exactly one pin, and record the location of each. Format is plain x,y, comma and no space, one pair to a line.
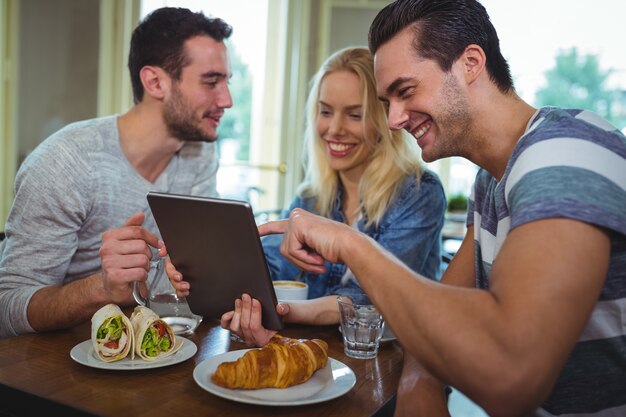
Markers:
83,353
332,381
387,337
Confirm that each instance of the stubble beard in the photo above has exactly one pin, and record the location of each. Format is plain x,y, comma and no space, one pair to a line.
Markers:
456,120
180,120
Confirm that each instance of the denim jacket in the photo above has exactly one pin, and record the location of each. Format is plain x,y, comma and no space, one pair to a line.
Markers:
410,229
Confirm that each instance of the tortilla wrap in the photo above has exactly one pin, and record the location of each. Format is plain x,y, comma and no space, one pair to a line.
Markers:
112,334
154,338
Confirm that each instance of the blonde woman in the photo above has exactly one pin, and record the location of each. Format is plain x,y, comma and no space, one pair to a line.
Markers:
357,172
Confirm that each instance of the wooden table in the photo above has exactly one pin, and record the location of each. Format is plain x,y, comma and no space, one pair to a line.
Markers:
36,371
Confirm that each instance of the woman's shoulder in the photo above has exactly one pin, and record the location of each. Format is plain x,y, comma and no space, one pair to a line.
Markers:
303,201
426,185
418,198
429,177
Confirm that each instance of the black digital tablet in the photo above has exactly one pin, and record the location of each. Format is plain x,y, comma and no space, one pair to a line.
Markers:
215,244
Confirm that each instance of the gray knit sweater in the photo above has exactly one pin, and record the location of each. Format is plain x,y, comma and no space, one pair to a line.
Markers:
73,187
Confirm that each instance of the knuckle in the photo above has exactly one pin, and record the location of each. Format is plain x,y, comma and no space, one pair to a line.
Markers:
296,212
104,250
105,264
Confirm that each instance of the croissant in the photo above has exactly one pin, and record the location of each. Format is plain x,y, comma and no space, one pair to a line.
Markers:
281,363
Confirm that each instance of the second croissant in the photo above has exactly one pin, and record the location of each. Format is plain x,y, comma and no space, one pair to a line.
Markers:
281,363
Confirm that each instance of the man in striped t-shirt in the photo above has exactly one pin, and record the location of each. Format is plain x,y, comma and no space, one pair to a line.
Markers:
569,164
530,315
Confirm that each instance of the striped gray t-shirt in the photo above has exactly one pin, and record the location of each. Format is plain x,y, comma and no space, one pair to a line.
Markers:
568,164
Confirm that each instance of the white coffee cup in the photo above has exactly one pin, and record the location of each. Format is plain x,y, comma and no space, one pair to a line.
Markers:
291,290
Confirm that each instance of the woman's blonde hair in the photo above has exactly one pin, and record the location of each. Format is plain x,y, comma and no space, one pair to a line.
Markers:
394,155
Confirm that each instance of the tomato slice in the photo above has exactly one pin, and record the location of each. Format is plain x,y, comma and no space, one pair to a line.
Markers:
112,344
160,328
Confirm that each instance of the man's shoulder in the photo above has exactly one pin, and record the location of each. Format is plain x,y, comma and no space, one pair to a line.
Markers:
559,138
83,134
71,144
556,123
571,167
99,124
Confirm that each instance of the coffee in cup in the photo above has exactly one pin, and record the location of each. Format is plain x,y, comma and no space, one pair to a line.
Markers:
291,290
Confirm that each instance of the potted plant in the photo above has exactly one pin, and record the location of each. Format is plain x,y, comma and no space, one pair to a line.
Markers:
457,207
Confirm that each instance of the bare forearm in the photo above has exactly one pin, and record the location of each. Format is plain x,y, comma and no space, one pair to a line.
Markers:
59,307
419,394
454,332
426,316
541,292
320,311
468,337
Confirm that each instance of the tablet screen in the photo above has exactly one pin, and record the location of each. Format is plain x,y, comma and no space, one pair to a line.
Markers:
214,243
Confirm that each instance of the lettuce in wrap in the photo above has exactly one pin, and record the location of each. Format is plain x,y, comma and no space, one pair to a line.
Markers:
112,334
154,338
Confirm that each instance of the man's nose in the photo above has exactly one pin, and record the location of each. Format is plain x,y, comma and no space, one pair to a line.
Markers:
398,117
225,100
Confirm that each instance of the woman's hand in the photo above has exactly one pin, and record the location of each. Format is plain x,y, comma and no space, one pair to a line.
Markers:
176,279
245,320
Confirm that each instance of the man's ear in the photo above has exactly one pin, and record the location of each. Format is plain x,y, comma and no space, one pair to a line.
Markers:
473,61
155,81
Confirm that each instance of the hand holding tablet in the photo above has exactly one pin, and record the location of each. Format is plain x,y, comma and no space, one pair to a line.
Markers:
214,243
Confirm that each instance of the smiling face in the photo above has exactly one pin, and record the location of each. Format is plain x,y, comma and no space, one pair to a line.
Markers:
196,102
340,123
427,102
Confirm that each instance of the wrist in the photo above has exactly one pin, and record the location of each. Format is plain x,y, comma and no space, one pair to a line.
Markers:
99,293
355,248
325,310
350,243
319,311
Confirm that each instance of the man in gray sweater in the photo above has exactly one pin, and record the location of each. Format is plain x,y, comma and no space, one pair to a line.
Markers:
81,183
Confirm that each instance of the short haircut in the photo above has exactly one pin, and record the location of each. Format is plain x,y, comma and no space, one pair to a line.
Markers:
160,38
442,30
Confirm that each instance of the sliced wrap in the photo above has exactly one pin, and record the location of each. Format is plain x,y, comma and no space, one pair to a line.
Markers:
112,334
154,338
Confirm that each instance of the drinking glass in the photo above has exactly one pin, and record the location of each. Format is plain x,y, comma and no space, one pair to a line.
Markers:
362,327
160,296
